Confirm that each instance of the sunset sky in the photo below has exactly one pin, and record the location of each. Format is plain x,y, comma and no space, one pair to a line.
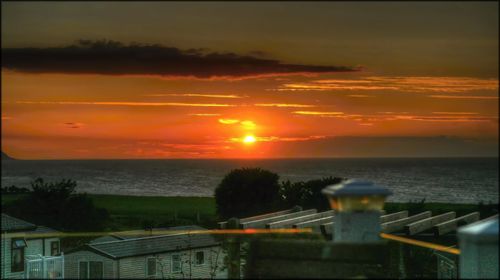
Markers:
249,79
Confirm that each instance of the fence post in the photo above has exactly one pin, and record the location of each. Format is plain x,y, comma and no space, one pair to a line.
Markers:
233,250
62,265
402,264
479,250
358,205
44,271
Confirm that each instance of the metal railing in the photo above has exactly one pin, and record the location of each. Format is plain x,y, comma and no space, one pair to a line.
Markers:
44,267
419,243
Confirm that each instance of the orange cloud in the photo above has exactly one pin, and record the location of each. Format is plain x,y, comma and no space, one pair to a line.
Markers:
330,87
204,115
407,84
444,118
248,124
455,113
198,95
338,81
360,95
73,124
228,121
315,113
128,103
463,97
393,116
284,105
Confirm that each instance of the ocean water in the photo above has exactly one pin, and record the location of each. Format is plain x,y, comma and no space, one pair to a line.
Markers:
460,180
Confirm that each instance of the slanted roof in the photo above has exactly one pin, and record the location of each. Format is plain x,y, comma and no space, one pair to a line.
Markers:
152,245
105,238
10,223
190,227
42,232
131,234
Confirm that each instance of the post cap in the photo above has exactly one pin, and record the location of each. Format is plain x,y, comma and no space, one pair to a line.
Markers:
481,231
356,187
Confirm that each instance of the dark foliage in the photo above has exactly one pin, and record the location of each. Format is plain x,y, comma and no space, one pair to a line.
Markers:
57,205
247,192
307,194
14,189
487,210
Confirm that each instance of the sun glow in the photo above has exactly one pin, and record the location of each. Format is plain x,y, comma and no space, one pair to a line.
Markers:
249,139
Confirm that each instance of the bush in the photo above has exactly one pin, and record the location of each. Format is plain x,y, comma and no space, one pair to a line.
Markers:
307,194
57,205
14,189
247,192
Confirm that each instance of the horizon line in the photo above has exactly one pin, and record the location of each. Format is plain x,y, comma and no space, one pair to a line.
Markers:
265,158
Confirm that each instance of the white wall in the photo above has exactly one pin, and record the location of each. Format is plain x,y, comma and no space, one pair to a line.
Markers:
71,265
135,267
35,247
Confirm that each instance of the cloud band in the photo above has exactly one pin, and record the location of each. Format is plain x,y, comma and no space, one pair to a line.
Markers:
114,58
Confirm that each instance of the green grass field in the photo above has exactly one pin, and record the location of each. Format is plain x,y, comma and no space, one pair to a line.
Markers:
144,205
133,211
10,198
128,212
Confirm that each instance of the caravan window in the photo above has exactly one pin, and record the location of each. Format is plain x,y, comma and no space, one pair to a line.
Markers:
95,270
176,263
83,268
200,258
54,248
151,267
17,255
90,270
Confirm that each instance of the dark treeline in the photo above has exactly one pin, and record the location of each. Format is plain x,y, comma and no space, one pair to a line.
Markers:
57,205
253,191
14,189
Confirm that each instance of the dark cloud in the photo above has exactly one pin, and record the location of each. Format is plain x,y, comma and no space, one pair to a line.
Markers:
258,53
114,58
73,125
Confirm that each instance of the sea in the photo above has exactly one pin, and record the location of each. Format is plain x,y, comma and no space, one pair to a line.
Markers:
454,180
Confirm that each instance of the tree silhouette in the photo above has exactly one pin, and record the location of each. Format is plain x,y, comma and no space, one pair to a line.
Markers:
57,205
307,194
246,192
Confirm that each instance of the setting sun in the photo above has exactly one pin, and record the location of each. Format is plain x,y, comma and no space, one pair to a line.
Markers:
249,139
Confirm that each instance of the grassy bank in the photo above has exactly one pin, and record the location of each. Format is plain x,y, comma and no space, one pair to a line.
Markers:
129,212
10,198
143,205
132,212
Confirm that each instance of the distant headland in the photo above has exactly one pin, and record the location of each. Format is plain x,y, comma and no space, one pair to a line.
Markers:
6,157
